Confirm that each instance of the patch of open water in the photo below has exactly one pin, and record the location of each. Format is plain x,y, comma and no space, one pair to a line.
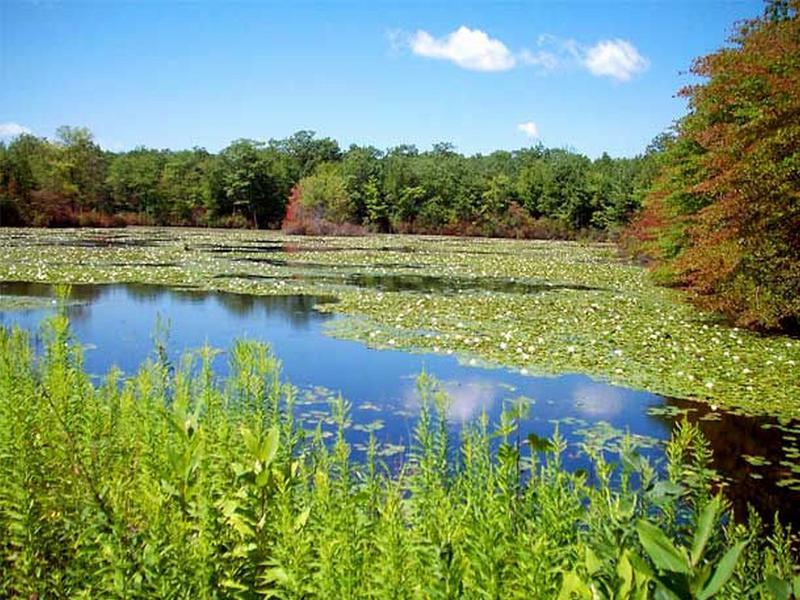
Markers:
429,284
117,322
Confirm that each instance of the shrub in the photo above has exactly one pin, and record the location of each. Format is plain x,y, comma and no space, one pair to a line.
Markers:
302,219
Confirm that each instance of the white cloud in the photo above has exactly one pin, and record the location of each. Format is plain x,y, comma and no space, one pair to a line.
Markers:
468,48
466,398
8,130
529,128
474,49
543,59
617,59
598,400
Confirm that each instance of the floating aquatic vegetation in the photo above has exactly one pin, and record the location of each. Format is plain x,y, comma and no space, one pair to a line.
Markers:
589,312
539,444
31,302
668,410
387,450
603,436
372,427
756,461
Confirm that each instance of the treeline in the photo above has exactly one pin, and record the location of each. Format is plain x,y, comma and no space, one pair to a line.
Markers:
723,218
533,192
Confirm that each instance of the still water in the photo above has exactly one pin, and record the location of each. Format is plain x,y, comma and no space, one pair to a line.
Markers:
116,324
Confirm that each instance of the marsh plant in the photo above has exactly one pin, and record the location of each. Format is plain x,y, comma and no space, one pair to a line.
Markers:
173,483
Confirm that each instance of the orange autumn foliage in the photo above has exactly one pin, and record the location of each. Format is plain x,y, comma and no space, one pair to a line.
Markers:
724,220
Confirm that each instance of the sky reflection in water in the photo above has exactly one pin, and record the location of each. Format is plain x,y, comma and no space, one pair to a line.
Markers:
117,323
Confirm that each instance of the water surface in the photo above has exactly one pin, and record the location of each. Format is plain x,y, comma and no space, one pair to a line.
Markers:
116,323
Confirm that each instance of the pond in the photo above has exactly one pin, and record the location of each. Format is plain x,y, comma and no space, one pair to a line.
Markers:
116,323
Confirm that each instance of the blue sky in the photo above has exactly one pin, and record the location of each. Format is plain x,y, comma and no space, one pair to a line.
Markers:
593,76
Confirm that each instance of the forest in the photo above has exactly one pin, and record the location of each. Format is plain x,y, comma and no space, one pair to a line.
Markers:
532,192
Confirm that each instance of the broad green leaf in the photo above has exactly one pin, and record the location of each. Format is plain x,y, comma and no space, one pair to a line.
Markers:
269,447
274,575
572,584
250,441
262,479
705,523
640,565
625,573
301,519
723,572
664,593
593,564
780,589
660,549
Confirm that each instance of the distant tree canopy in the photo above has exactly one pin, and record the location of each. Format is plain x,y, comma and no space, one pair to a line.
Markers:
723,217
529,192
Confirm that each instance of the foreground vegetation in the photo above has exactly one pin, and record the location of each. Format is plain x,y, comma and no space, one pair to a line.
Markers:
542,307
173,484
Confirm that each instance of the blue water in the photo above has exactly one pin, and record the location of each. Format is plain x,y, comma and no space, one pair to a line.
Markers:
116,324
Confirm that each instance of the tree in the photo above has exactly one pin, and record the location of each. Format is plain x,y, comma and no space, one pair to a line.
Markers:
71,181
727,207
251,181
81,166
307,152
325,193
376,207
133,183
361,167
185,185
497,195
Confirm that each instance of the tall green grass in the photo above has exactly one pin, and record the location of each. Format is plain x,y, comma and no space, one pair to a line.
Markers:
174,484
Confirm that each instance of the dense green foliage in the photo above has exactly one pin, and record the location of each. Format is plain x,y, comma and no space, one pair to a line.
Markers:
530,192
534,192
172,484
724,217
